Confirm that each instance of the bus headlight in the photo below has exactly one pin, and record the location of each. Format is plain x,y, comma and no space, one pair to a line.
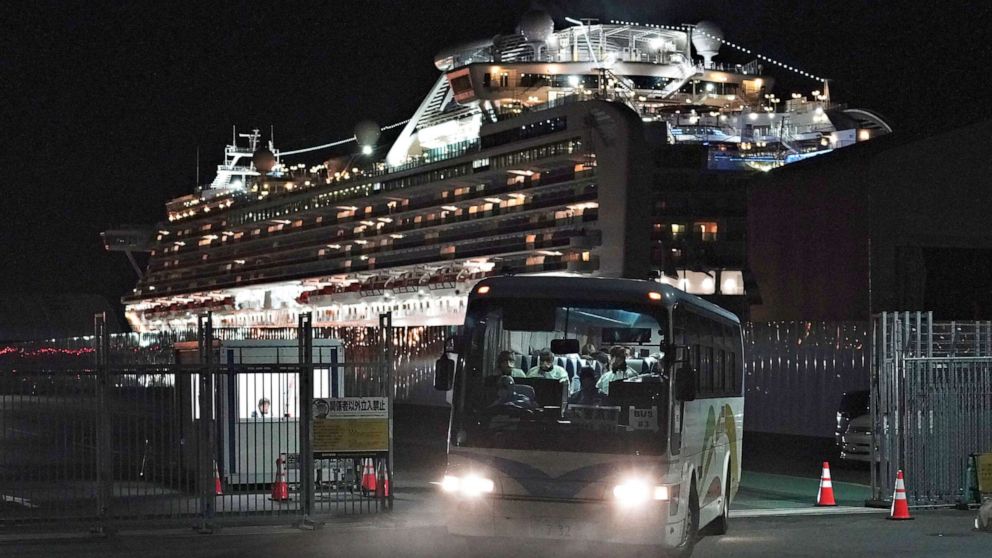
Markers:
450,483
470,485
635,492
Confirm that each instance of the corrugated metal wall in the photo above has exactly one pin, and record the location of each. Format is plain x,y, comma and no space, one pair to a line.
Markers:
797,371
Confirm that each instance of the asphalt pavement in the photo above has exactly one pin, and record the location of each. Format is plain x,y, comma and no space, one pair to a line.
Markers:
773,516
412,533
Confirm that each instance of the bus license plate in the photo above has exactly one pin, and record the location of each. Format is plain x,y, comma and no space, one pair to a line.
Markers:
551,529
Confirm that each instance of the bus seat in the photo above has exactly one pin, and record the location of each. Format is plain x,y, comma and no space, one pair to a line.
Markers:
642,365
592,363
571,363
526,391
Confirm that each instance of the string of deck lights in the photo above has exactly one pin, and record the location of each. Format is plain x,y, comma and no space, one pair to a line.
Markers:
339,142
44,351
728,43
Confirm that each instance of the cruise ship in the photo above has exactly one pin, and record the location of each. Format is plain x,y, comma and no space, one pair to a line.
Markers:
614,149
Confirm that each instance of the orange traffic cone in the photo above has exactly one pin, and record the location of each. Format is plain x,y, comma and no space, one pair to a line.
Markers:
218,487
825,494
383,481
280,490
368,476
900,507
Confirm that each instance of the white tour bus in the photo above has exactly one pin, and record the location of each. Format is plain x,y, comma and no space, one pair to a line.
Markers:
544,453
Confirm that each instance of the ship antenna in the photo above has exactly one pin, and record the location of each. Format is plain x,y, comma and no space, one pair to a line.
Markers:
197,165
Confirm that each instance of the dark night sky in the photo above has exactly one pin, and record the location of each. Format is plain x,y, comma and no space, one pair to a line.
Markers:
104,103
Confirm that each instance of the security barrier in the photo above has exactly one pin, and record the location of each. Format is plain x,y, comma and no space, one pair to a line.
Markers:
931,404
797,372
194,440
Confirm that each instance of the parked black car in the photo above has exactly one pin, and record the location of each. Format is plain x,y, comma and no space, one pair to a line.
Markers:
853,404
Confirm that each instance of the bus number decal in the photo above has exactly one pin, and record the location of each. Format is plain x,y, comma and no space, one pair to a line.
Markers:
644,419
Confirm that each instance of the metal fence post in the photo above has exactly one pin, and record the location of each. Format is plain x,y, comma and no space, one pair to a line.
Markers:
104,443
386,327
205,441
305,338
874,384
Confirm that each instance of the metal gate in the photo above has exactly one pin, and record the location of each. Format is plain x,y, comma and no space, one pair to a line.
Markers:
204,439
931,404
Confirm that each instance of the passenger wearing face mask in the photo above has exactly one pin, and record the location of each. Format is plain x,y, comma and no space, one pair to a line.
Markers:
618,370
546,368
505,363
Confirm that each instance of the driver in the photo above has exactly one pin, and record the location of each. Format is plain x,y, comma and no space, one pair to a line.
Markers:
618,370
505,364
546,368
587,394
506,396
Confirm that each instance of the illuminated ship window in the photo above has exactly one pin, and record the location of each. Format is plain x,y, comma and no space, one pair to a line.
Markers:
706,230
731,282
678,230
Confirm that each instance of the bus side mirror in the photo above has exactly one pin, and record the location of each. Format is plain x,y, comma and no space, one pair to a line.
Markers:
685,383
444,373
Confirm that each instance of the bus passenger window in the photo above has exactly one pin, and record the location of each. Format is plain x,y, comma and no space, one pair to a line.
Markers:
719,371
734,382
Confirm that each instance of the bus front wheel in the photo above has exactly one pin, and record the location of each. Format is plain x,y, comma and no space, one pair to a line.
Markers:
691,532
721,524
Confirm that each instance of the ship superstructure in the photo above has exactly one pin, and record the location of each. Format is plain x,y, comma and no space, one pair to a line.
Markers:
601,149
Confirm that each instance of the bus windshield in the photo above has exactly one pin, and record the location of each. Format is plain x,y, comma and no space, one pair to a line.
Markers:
546,375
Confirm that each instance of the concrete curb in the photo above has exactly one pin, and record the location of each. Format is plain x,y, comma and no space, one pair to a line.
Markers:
780,512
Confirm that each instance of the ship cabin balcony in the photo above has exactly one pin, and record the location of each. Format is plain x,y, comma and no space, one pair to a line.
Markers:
504,176
560,208
356,238
388,215
518,219
333,196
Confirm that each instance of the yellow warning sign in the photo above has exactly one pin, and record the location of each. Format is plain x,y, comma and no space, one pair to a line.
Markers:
354,434
350,424
984,462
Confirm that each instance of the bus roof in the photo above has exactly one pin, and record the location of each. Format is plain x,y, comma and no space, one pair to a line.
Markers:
593,288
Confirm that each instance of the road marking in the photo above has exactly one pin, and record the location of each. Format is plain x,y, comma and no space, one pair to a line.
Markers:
774,512
15,500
